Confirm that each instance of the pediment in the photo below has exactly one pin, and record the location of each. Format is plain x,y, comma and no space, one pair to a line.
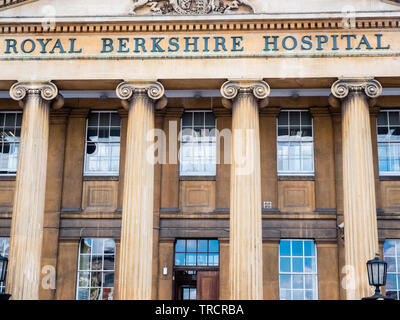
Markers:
136,8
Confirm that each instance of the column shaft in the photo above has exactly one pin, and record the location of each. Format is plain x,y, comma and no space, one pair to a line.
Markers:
136,247
245,221
360,229
28,211
245,233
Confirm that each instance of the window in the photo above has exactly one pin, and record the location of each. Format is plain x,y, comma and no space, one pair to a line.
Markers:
189,293
298,278
295,143
10,132
192,252
95,279
4,246
198,144
388,123
103,143
391,253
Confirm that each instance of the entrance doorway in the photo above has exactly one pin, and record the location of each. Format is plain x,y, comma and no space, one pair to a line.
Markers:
196,270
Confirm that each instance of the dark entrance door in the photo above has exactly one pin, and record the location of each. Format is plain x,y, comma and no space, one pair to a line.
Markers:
207,285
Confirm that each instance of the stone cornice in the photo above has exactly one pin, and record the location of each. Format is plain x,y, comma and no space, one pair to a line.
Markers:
198,26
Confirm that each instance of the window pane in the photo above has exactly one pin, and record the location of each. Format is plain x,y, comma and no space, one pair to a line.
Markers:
297,265
199,119
213,246
202,259
179,259
93,261
394,118
84,262
180,246
285,265
382,119
202,245
283,119
294,119
191,245
305,119
213,259
297,248
190,259
284,248
285,281
300,266
298,281
187,119
102,158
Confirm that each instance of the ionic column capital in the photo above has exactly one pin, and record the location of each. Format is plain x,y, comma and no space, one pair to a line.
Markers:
46,89
370,87
152,89
232,88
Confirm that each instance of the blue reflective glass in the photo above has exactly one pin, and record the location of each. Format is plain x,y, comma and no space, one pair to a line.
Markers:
309,295
285,294
285,265
308,265
191,245
285,281
190,259
179,259
297,248
213,246
298,295
297,264
213,259
298,281
180,246
308,281
202,259
202,245
309,248
391,282
284,248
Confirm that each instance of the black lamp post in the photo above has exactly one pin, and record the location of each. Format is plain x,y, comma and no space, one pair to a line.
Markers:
377,272
3,274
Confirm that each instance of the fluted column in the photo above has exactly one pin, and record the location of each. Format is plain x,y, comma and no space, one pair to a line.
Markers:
359,202
245,247
136,248
23,278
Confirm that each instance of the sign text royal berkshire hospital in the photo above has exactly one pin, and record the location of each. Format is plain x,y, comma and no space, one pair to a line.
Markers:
182,45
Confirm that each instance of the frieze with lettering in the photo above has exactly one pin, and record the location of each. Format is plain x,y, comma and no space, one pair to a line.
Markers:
204,45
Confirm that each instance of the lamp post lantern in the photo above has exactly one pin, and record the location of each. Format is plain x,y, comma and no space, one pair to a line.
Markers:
377,272
3,274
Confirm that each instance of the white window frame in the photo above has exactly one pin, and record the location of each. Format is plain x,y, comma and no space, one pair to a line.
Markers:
311,141
100,173
1,126
91,270
298,273
386,173
204,173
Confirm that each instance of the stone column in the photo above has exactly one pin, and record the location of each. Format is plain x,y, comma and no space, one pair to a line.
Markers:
359,202
23,278
245,250
136,248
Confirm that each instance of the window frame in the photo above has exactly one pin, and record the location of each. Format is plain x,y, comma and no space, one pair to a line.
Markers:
193,173
3,285
90,270
386,173
197,252
297,173
298,273
13,174
396,273
102,174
